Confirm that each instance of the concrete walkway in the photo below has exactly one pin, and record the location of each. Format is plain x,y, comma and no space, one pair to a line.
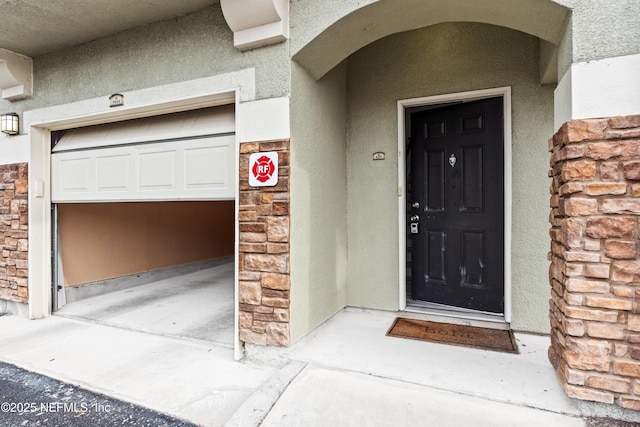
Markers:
355,340
321,396
346,373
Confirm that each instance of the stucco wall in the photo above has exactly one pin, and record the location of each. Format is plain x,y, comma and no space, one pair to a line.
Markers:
188,47
565,48
603,28
318,198
598,29
309,18
598,61
441,59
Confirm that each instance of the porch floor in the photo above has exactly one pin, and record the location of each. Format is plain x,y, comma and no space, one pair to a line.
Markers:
355,340
197,305
346,373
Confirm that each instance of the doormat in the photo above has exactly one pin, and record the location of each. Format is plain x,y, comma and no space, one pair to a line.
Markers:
445,333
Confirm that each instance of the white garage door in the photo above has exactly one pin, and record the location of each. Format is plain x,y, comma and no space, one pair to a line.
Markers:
181,156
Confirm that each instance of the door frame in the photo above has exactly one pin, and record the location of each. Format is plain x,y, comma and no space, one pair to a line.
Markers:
402,106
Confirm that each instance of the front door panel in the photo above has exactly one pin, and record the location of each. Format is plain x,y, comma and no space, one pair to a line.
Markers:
458,205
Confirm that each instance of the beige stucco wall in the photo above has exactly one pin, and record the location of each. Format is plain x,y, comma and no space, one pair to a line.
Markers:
318,198
442,59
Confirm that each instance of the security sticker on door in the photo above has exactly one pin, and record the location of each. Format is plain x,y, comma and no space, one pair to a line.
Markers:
263,169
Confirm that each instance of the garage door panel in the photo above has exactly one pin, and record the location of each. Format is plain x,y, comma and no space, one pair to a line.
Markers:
191,169
113,173
208,121
73,175
205,168
157,170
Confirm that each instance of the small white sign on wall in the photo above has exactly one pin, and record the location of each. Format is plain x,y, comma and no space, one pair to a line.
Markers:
263,169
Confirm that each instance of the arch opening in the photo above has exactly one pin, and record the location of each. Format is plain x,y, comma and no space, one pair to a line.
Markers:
331,45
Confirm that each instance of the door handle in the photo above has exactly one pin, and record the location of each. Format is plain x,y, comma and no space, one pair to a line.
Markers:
414,218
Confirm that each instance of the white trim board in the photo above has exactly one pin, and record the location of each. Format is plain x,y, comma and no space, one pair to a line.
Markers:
231,88
164,99
605,87
402,105
14,149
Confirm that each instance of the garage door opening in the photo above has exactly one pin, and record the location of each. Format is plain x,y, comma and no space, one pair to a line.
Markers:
161,267
144,224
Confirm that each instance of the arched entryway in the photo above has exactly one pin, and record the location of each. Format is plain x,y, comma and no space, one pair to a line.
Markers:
326,45
361,68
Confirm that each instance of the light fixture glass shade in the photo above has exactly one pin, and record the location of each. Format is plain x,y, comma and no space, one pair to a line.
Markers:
10,123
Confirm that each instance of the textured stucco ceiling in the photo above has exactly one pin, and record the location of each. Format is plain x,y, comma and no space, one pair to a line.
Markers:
35,27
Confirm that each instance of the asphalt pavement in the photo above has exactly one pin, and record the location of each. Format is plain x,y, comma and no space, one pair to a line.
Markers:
30,400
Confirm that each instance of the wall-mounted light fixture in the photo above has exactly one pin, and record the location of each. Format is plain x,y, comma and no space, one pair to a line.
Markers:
10,123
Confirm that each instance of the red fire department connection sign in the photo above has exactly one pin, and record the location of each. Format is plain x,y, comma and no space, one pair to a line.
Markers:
263,169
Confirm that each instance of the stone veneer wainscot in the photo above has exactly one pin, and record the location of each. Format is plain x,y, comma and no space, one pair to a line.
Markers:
595,268
14,243
264,251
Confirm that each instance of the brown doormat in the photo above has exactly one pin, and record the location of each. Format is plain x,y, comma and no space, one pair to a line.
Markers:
445,333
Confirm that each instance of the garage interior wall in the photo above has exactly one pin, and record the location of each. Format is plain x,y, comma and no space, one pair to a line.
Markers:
100,241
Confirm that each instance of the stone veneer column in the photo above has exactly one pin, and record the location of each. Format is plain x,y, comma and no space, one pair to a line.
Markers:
595,268
14,244
264,251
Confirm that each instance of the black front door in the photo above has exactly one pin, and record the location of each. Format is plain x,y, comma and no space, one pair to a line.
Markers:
456,214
